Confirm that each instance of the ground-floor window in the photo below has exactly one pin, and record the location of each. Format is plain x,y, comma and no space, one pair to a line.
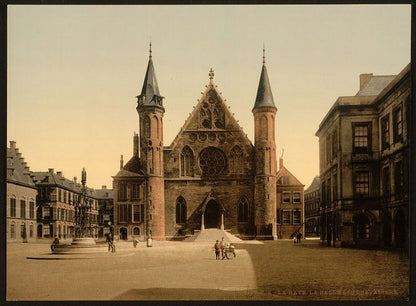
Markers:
362,227
46,231
12,231
286,217
136,231
31,230
296,217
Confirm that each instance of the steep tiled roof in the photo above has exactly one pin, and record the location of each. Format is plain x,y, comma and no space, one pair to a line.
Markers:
316,183
17,170
283,172
104,193
264,97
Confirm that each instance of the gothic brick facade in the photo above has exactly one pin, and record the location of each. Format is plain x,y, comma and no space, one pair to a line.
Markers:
210,176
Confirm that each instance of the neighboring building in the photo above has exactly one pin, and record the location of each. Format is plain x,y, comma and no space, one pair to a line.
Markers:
312,208
211,176
364,162
289,204
21,198
105,200
56,199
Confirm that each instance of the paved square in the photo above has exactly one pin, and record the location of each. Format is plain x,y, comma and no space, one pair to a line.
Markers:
275,270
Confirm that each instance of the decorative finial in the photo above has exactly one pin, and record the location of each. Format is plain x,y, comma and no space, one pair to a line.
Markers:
150,49
211,74
264,56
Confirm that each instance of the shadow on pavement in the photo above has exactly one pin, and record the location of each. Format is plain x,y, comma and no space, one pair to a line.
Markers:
196,294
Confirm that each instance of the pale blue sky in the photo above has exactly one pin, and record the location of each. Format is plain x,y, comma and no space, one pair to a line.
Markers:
74,72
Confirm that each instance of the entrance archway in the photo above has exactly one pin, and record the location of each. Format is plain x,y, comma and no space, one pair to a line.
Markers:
400,230
123,233
387,229
212,215
40,231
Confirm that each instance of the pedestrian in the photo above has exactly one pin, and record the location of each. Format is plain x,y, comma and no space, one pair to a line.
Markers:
232,249
295,238
223,246
108,240
298,237
217,247
134,241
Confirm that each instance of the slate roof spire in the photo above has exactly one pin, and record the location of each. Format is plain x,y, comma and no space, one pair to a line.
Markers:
264,96
150,94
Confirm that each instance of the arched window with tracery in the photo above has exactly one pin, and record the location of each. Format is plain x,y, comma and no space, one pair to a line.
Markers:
180,210
212,115
236,163
187,162
146,127
243,210
264,131
212,161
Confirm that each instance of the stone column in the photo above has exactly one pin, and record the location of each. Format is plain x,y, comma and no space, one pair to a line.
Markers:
222,220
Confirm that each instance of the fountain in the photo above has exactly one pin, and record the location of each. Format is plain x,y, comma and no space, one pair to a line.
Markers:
83,241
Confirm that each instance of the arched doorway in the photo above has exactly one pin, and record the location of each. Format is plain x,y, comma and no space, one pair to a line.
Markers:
40,231
400,230
361,227
212,215
123,233
386,229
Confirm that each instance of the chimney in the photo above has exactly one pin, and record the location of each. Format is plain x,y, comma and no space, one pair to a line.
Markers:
121,162
135,144
59,173
104,187
280,163
75,179
50,170
12,144
364,78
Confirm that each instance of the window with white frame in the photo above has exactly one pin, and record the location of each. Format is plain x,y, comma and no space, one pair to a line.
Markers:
286,197
286,217
296,197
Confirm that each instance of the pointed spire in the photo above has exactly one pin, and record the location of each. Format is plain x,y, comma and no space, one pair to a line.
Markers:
264,96
150,90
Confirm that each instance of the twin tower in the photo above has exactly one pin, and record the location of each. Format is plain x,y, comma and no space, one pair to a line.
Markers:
150,109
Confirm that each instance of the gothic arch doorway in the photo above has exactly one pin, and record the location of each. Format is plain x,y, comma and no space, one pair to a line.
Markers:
212,215
123,233
387,229
400,229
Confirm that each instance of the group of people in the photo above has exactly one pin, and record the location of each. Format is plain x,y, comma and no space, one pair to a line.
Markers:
297,238
223,248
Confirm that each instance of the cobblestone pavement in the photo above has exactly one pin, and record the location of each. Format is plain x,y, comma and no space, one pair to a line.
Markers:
275,270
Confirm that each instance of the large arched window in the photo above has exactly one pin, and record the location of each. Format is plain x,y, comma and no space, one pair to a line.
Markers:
146,127
180,211
236,163
187,162
212,161
263,128
243,210
362,227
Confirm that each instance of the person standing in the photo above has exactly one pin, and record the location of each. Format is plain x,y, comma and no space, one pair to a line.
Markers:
217,247
223,246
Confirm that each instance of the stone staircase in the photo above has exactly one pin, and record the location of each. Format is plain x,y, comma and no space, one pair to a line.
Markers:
211,235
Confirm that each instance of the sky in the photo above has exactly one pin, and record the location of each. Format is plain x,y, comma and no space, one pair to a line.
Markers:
74,73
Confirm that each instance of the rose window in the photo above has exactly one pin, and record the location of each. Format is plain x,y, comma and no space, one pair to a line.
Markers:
212,161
